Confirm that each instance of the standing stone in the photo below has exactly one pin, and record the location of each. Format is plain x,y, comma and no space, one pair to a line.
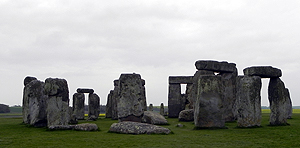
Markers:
193,96
34,103
189,104
174,100
4,108
94,106
143,95
108,109
208,112
151,107
130,107
289,105
114,100
58,101
28,79
278,102
162,109
78,105
229,95
249,101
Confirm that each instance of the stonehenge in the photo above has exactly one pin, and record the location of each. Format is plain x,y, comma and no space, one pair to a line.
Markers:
46,104
218,93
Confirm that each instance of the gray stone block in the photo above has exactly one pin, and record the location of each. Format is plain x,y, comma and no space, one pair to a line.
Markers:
215,66
263,71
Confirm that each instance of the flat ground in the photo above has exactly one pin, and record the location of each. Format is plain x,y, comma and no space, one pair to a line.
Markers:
15,134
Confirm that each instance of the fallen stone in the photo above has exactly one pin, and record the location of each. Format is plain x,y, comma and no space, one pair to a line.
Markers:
61,127
85,90
186,115
263,71
154,118
86,127
136,128
215,66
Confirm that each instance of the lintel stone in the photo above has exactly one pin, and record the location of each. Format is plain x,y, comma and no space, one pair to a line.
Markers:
180,79
215,66
263,71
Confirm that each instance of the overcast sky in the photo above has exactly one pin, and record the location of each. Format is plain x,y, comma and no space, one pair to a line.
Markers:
90,43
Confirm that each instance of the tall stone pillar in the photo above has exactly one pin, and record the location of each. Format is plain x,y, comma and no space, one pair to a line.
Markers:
78,105
108,109
94,106
130,105
143,95
58,101
162,109
34,103
114,100
174,100
208,111
278,102
249,101
289,105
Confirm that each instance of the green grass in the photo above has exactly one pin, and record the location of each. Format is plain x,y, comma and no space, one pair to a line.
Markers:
15,134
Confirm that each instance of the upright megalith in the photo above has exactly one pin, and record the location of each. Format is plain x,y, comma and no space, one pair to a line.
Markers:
278,102
58,101
143,94
108,109
249,101
208,111
175,104
130,104
34,103
114,100
162,109
289,105
78,105
151,107
94,106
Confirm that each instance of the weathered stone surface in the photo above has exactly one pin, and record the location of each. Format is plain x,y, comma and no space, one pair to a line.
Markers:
85,90
189,102
58,101
176,102
151,107
249,101
4,108
78,105
194,88
278,102
154,118
186,115
263,71
108,109
78,127
57,87
208,112
229,96
34,104
289,105
114,100
61,127
137,128
130,103
28,79
215,66
180,79
143,94
94,106
162,109
86,127
73,119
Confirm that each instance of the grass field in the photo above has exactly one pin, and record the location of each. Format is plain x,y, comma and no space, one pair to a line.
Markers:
15,134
